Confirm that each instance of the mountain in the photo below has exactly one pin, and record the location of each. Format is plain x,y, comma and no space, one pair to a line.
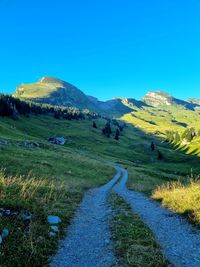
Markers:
57,92
160,98
164,113
156,98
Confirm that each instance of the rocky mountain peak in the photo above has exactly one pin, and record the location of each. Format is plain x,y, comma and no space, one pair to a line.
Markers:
58,92
156,98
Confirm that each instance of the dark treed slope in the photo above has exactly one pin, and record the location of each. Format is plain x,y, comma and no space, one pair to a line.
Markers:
57,92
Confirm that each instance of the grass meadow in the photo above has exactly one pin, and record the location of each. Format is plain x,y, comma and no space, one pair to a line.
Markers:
50,179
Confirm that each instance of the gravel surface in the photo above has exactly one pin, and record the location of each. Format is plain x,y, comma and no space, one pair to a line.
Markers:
88,238
179,240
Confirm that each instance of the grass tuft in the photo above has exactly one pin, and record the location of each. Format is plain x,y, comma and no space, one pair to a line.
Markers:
134,243
181,198
30,245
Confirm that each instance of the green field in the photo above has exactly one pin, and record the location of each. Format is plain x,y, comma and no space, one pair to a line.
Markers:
158,120
51,179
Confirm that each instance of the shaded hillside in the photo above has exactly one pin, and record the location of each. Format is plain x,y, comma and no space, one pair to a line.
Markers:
157,112
57,92
55,177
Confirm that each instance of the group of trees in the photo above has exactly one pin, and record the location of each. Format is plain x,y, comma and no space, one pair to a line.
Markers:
12,107
107,130
188,135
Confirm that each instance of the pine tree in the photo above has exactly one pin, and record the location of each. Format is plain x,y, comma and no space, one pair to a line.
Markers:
117,134
152,146
57,115
160,155
94,125
107,130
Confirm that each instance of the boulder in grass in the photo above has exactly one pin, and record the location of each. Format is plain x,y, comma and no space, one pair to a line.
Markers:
57,140
4,233
54,228
53,219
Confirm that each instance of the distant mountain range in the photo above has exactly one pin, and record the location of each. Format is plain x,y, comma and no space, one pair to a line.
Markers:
57,92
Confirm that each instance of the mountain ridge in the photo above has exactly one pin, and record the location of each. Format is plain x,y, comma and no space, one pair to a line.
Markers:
54,91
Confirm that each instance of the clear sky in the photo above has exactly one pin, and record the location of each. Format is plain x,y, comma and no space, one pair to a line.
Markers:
107,48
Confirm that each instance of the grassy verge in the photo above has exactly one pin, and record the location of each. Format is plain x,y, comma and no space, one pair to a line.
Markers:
181,198
30,245
44,180
134,243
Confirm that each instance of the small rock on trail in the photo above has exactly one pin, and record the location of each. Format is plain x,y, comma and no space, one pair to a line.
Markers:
88,241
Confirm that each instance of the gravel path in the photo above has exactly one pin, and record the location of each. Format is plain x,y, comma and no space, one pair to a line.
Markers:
88,241
180,242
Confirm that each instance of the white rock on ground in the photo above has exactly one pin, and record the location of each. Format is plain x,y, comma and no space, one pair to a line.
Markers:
53,219
54,228
88,242
4,233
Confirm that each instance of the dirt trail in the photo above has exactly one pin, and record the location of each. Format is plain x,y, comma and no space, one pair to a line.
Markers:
88,238
179,240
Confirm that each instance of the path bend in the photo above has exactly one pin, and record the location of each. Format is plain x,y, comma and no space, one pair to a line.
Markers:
179,240
88,237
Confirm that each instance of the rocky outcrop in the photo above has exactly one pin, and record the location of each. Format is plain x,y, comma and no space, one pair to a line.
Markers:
57,140
159,98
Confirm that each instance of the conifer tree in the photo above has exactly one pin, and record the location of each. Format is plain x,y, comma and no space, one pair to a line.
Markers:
94,125
107,130
152,146
117,134
160,155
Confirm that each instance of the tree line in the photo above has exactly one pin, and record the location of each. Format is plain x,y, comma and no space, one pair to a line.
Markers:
188,135
13,107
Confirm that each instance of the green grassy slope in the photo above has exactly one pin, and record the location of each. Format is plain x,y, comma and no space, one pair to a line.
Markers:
54,91
54,180
55,177
158,120
133,148
42,88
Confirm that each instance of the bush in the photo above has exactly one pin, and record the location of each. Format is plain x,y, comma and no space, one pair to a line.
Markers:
107,131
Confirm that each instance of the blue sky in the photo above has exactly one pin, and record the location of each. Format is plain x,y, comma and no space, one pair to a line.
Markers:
107,48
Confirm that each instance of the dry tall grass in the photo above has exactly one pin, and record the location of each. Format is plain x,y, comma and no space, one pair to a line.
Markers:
181,198
41,197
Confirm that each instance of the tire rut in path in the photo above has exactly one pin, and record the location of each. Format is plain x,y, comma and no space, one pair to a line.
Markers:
88,237
179,240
